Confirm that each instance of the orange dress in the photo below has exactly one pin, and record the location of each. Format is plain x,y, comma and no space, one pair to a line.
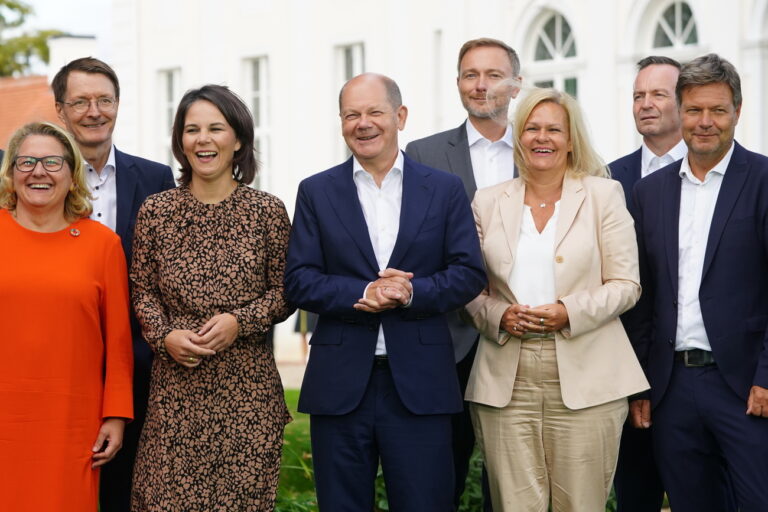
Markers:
66,361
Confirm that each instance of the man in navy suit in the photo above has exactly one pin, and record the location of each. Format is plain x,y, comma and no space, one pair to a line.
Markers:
381,248
657,119
700,328
87,95
479,151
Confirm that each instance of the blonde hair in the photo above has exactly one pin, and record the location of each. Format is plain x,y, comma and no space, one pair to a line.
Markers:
77,203
583,160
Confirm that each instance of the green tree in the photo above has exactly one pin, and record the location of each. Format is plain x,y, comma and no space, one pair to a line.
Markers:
18,53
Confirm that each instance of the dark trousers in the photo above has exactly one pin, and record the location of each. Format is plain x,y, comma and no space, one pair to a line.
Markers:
464,438
637,481
117,475
712,456
414,451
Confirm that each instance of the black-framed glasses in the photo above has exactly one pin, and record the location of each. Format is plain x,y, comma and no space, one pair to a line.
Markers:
51,163
104,104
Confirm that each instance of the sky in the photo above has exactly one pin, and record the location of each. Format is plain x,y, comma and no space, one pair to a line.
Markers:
77,17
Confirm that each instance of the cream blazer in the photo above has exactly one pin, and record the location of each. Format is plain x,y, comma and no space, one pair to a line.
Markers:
596,278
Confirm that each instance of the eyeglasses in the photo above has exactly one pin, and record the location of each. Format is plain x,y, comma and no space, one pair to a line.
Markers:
50,163
82,105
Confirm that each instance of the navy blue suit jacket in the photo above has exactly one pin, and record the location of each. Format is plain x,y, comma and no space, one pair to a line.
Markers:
137,179
331,261
626,170
734,284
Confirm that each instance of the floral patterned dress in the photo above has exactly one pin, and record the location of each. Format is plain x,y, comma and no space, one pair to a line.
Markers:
213,435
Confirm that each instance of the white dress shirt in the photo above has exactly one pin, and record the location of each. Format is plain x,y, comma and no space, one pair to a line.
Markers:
103,187
697,205
492,162
532,278
381,208
649,162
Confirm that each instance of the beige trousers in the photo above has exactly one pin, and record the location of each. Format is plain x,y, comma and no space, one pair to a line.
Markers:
536,449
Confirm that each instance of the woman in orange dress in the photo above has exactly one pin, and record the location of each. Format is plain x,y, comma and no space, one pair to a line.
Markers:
66,365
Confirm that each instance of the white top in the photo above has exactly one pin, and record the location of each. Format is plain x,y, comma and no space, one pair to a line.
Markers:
697,205
381,208
492,162
532,278
103,187
649,162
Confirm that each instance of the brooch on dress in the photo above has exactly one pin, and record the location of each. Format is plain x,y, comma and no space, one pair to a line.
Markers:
74,232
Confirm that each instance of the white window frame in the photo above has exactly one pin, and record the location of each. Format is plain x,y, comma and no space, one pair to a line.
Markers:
169,87
560,70
258,98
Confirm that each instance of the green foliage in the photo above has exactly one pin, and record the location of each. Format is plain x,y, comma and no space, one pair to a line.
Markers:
296,490
18,53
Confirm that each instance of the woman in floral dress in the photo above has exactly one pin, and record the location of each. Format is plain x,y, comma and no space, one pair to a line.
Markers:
207,276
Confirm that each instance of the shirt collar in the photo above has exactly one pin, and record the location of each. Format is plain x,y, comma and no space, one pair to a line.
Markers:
719,168
677,152
397,167
474,136
110,166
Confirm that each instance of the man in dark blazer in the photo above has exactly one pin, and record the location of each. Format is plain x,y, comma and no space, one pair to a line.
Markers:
657,119
381,248
87,95
700,328
479,152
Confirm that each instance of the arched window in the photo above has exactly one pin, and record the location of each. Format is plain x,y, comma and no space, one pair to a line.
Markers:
676,27
554,53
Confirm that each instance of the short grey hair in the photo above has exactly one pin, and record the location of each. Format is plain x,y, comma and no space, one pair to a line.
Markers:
709,69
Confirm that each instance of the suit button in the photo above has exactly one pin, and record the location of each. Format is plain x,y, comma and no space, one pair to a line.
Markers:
674,303
559,259
671,341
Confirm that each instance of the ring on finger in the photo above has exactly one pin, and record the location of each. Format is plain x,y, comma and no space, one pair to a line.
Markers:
541,321
192,359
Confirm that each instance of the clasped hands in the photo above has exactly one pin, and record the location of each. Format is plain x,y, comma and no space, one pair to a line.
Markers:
188,348
391,290
521,318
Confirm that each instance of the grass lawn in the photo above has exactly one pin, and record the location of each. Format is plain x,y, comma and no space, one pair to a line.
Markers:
296,491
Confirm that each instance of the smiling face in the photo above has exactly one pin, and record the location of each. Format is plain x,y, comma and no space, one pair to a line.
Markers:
709,121
546,138
653,101
92,128
41,191
369,122
486,83
209,142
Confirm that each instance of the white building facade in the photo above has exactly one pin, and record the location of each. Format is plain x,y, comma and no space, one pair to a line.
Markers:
288,59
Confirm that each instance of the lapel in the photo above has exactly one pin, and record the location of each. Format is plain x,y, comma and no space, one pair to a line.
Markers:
342,194
510,206
633,168
459,159
570,202
670,219
417,197
125,184
733,182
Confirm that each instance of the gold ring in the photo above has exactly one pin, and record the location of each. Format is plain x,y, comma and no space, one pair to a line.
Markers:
541,321
192,359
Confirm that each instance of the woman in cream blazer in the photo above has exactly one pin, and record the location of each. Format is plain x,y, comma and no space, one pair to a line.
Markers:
554,365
